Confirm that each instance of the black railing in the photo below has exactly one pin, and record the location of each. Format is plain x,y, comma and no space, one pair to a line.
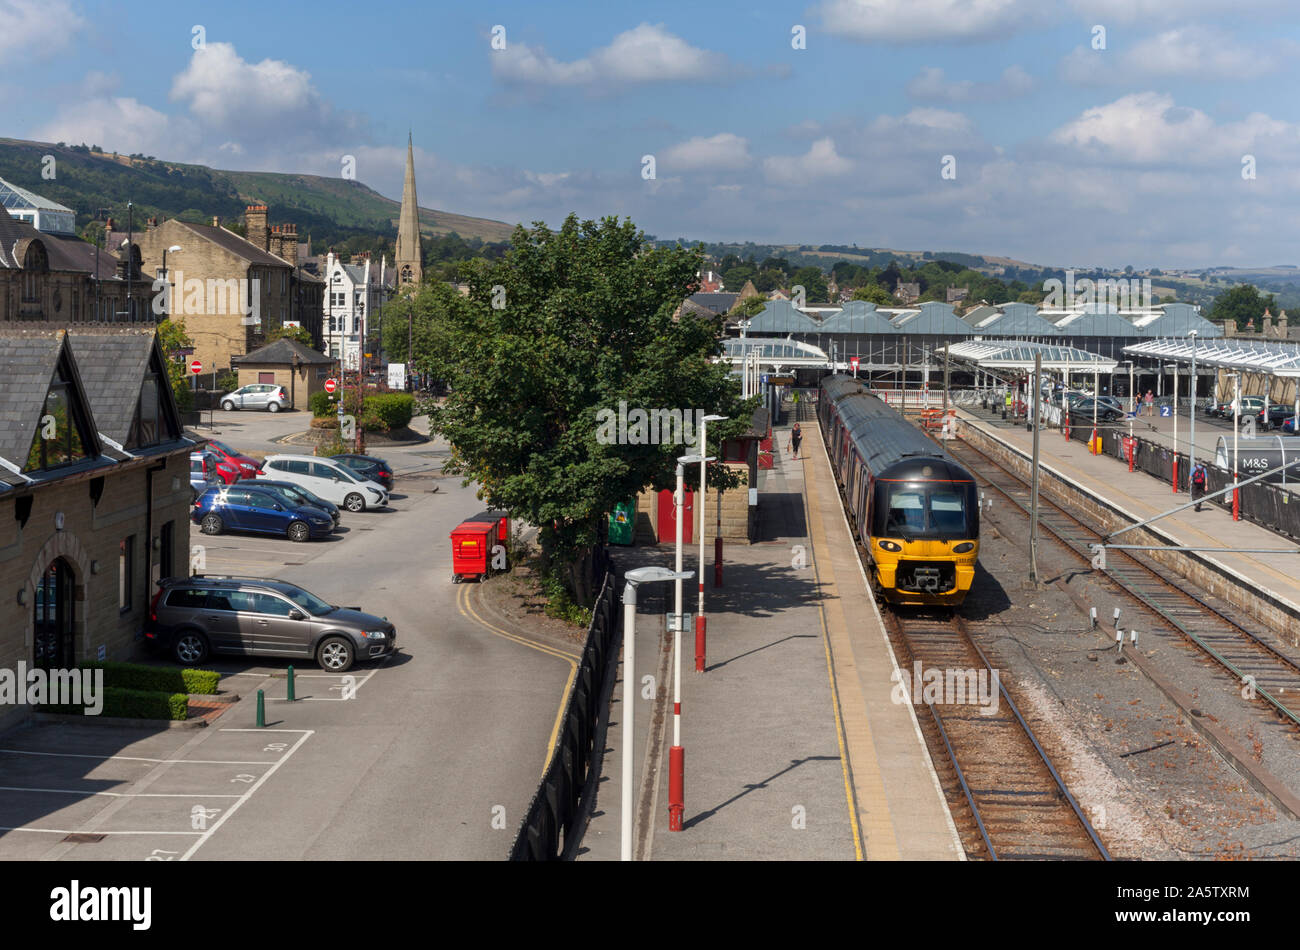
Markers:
555,812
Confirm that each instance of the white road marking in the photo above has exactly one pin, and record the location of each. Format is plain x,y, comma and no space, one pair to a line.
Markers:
137,758
78,791
64,831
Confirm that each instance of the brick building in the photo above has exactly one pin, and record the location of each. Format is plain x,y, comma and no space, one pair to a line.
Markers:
94,492
228,290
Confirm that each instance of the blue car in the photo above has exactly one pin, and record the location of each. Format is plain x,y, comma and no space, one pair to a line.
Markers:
243,507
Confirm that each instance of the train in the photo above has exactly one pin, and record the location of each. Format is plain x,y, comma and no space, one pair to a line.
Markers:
914,509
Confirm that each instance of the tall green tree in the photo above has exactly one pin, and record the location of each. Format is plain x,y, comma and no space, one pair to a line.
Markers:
1241,304
173,338
574,327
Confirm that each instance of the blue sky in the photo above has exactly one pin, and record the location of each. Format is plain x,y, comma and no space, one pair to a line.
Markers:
1061,153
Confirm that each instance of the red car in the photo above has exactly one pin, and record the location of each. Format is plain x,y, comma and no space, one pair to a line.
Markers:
248,467
209,464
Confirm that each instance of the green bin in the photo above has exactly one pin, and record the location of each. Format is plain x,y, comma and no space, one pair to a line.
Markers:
622,523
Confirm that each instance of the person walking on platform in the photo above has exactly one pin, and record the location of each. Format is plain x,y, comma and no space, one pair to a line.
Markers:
1198,484
1006,411
1149,404
795,438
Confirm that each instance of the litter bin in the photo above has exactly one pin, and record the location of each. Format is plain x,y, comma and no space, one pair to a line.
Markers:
471,549
622,523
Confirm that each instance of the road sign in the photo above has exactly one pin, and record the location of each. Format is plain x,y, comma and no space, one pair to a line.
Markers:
331,385
196,366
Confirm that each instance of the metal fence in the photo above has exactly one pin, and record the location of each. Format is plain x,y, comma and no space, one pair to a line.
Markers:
553,814
1269,506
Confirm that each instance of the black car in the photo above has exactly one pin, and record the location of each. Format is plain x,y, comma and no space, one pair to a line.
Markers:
1084,409
368,466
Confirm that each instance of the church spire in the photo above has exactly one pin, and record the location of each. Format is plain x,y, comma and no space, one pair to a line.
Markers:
408,256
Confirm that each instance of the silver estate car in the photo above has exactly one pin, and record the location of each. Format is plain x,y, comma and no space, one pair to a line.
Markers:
194,617
256,396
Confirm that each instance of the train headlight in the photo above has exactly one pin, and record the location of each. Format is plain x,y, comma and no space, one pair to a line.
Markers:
890,545
964,547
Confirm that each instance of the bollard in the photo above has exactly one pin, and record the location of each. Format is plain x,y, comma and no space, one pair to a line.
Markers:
701,629
717,562
676,787
261,709
290,693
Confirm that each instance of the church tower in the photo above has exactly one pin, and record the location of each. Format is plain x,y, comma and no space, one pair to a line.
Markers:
408,257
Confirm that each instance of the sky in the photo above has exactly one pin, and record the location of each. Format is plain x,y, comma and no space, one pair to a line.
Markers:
1075,133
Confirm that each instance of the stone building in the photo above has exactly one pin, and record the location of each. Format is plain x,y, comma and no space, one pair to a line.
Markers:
284,362
61,278
409,252
355,296
228,290
94,492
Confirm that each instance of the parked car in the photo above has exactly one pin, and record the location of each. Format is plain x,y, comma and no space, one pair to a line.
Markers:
1083,409
244,507
203,473
266,396
331,480
247,465
1276,416
368,466
192,617
212,464
302,496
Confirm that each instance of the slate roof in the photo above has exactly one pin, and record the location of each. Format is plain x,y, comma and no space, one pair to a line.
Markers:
112,362
229,241
64,253
27,360
282,352
715,302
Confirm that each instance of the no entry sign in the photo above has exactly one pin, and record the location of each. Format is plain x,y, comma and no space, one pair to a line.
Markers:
196,366
331,385
853,361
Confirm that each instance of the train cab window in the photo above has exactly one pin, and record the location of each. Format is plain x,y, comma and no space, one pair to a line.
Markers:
947,511
906,511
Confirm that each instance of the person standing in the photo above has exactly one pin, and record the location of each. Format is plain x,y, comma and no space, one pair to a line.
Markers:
796,437
1198,484
1149,404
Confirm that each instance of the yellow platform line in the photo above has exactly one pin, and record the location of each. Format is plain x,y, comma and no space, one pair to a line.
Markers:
467,611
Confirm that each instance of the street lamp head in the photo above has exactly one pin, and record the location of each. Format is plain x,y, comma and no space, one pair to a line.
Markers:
652,574
693,459
715,418
173,249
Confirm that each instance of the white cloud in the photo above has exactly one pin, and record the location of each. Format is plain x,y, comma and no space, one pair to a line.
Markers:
927,21
1176,11
931,85
644,54
724,151
1190,52
120,124
32,29
821,161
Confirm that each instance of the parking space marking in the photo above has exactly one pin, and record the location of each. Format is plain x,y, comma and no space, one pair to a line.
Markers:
84,792
65,831
305,735
463,604
132,758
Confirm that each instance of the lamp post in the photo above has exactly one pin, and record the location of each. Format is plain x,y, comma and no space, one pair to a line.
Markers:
1189,471
1191,449
1236,432
130,262
676,754
704,503
635,577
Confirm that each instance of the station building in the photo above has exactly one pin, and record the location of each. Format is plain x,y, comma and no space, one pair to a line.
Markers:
94,492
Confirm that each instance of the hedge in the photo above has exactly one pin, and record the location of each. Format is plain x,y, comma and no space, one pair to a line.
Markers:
135,704
394,410
137,676
322,404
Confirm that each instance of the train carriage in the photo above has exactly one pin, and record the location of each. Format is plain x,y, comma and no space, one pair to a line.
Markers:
915,510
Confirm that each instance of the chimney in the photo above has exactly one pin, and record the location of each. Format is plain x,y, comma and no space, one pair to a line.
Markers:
108,234
152,224
255,225
1229,327
275,244
216,221
1281,324
290,244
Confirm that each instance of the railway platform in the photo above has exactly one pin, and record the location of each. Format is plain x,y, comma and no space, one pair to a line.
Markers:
1265,584
794,749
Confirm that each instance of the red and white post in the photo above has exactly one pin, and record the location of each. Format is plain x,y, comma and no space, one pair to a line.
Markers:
676,754
700,624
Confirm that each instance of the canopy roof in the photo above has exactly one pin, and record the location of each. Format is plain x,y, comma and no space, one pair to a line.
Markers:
1014,354
774,352
1256,356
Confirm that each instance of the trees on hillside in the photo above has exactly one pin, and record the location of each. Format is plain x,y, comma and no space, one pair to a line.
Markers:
1241,304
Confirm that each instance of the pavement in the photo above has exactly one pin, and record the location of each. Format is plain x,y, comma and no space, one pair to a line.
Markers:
793,747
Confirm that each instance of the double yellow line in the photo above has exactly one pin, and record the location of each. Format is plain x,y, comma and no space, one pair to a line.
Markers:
467,611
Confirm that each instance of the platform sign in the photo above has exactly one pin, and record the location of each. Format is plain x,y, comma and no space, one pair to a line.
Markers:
1166,411
196,366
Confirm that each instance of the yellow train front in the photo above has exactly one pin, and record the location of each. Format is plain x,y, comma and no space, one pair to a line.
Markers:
915,510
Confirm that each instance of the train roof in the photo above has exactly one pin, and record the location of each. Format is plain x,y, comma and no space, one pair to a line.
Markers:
891,446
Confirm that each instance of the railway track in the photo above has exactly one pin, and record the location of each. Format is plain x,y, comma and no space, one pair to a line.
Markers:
1006,796
1218,633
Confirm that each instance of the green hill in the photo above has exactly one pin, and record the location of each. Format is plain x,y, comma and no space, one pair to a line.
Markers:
331,210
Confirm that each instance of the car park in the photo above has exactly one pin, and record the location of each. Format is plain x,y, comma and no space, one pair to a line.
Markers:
247,465
331,480
193,617
302,496
266,396
368,466
244,507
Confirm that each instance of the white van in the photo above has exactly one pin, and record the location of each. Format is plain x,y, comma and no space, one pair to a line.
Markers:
327,478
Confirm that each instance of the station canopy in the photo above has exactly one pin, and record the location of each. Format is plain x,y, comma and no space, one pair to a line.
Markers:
773,352
1252,356
1019,355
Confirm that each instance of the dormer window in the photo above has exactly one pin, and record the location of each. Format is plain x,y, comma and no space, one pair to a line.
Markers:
61,429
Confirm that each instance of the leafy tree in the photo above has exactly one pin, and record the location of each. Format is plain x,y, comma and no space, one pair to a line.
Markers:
876,294
173,338
748,308
814,283
298,334
1240,304
585,323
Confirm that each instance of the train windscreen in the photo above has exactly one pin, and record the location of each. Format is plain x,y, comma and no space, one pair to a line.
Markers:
920,510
